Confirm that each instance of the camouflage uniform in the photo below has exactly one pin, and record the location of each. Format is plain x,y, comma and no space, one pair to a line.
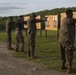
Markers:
19,35
66,39
9,27
31,23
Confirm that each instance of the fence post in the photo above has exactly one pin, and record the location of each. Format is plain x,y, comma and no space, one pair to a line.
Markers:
59,22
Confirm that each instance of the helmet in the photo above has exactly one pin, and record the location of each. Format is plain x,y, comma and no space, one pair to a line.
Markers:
68,11
10,17
33,15
21,16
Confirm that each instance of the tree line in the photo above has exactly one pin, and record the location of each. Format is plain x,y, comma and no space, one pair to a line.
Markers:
41,13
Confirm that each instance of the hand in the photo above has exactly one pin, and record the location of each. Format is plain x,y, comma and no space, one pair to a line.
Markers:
46,18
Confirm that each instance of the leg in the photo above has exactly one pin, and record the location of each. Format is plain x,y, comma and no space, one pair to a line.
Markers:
22,43
69,57
17,43
21,39
9,41
63,58
32,45
28,50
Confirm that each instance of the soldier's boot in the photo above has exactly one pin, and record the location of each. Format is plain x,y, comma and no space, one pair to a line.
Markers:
22,50
7,47
28,54
69,69
63,66
33,55
17,49
10,48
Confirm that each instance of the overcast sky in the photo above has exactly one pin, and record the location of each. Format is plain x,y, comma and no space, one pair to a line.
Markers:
20,7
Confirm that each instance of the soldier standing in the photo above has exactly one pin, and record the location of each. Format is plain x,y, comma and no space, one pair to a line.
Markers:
9,27
66,39
19,34
31,24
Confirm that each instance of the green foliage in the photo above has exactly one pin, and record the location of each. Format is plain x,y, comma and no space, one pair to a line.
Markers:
41,13
2,23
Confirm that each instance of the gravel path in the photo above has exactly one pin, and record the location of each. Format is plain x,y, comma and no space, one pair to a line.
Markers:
10,65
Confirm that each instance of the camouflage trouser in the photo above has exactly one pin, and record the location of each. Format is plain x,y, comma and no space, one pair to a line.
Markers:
31,44
9,41
19,39
66,55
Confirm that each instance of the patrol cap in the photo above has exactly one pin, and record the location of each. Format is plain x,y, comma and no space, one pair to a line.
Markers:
10,17
21,16
68,11
33,14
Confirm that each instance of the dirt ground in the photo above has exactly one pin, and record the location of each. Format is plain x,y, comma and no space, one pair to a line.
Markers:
10,65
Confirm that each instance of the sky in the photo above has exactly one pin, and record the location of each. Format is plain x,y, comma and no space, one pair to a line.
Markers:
23,7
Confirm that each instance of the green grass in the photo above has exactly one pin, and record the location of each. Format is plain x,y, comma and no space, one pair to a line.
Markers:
47,49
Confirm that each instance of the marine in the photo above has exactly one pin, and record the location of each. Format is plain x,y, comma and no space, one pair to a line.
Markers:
9,28
66,40
19,35
31,31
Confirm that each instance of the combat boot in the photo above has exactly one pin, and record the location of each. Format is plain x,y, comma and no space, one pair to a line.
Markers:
28,54
69,69
22,50
17,50
10,48
33,56
63,66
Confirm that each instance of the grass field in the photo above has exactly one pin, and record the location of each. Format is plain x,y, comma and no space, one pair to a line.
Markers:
47,49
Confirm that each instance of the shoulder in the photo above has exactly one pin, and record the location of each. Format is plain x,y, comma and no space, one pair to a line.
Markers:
65,19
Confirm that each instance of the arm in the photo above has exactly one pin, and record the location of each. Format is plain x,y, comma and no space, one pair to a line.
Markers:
24,22
75,20
39,20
